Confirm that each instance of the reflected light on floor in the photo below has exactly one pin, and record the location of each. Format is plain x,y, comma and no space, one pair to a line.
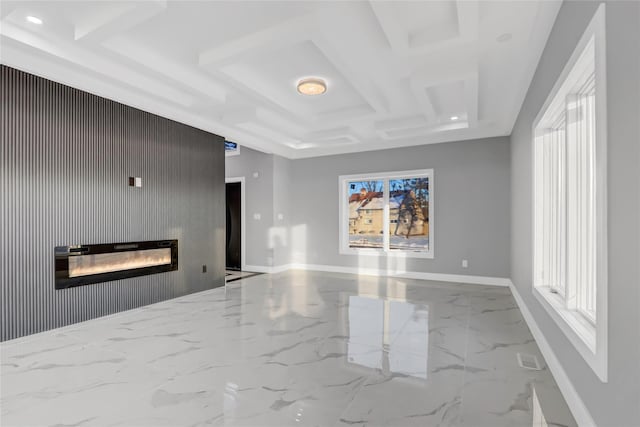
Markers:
299,244
389,336
397,264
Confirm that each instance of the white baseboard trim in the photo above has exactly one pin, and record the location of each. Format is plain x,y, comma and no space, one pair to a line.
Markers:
571,396
267,269
457,278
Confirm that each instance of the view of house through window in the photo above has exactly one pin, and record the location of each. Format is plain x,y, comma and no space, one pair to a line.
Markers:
389,213
366,214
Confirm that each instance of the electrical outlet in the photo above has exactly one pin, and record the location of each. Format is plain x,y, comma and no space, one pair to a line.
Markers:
465,263
204,268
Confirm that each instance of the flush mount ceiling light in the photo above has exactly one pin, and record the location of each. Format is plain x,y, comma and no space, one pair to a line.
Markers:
34,20
454,118
312,86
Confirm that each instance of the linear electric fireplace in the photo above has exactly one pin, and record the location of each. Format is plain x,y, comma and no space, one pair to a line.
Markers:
86,264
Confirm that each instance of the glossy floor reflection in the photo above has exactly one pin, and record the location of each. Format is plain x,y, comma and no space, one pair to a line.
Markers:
296,348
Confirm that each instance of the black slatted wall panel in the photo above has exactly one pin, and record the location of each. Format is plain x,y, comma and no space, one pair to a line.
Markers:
65,159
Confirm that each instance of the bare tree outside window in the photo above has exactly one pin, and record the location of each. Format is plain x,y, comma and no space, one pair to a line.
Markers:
409,213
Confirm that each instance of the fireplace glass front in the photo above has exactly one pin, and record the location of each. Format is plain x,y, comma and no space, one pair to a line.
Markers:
84,264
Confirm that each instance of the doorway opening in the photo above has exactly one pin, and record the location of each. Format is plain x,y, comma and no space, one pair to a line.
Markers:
235,226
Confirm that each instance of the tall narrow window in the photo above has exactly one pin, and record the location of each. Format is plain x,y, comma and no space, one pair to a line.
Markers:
387,213
569,149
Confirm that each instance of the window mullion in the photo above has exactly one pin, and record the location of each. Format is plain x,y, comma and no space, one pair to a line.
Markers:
573,202
385,216
562,205
553,203
592,208
580,217
546,209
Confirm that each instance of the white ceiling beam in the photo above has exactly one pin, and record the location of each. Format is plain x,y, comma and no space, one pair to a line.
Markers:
116,21
358,80
419,85
289,126
389,16
239,115
346,114
396,134
432,138
258,87
266,40
88,60
99,23
327,134
183,74
338,135
264,131
400,123
468,19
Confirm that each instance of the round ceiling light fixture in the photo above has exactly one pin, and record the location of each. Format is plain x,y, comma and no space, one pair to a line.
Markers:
312,86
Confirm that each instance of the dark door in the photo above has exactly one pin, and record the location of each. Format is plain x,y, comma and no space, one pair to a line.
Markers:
234,230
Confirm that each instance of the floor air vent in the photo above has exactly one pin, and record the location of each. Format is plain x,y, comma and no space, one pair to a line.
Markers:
528,361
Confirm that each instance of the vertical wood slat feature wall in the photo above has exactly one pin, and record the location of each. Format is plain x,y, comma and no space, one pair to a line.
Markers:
65,159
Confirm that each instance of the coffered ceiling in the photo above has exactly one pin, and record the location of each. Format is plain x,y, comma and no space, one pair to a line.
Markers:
398,73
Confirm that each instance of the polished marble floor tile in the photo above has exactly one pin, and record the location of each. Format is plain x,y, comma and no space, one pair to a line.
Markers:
296,348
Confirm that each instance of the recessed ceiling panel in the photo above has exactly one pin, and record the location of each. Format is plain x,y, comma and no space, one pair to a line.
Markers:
276,74
448,98
431,22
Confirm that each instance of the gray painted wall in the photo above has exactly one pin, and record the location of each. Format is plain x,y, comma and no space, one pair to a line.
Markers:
267,239
65,159
282,199
472,200
617,402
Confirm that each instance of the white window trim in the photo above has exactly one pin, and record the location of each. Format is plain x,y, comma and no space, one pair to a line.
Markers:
343,235
590,340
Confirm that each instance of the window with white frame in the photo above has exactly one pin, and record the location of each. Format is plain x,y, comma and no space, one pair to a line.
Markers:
387,213
570,271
